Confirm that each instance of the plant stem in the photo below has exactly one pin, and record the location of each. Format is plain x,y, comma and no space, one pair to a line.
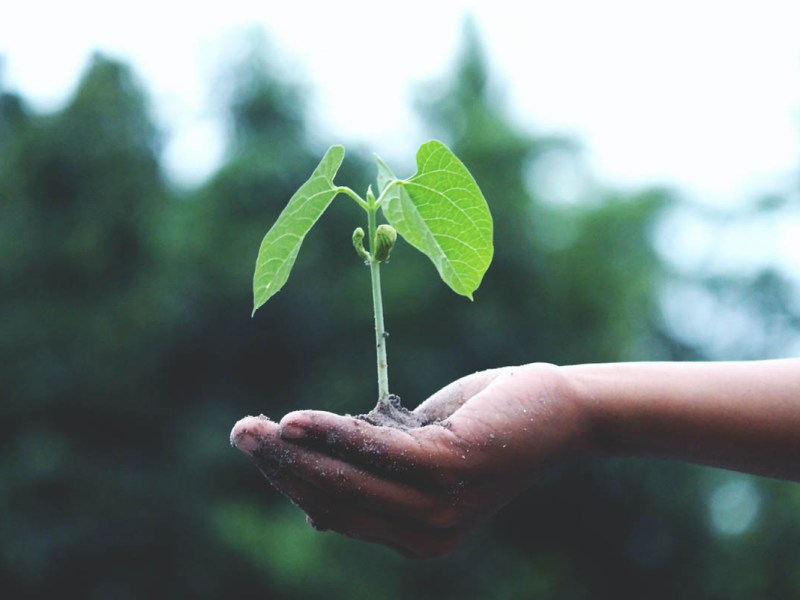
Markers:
343,189
377,302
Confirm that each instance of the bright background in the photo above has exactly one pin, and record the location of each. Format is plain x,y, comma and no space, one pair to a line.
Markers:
633,81
641,164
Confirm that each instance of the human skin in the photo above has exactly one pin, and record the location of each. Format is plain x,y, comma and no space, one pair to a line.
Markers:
421,491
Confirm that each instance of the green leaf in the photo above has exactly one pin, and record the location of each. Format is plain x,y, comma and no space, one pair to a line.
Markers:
398,208
385,175
442,212
282,243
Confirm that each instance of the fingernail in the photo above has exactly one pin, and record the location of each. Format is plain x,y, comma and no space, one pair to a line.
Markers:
246,443
248,433
293,431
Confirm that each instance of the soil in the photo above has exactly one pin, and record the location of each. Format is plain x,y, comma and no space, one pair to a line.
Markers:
394,414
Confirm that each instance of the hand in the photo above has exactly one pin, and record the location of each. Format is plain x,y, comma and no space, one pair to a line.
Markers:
422,490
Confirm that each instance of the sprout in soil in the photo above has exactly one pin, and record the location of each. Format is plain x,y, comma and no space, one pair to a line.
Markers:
440,211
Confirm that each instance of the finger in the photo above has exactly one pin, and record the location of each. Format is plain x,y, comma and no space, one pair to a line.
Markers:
409,540
250,432
349,513
340,480
422,454
343,482
361,522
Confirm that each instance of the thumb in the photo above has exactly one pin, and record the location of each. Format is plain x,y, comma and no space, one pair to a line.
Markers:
450,398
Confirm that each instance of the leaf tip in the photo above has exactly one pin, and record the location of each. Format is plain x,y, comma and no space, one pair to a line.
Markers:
379,160
334,157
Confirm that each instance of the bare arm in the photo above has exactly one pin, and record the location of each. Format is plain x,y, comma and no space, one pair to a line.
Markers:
737,415
421,491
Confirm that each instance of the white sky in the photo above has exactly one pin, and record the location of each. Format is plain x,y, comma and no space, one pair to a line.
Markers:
702,95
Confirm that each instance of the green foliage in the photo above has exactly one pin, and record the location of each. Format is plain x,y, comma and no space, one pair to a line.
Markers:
282,243
443,214
440,211
125,357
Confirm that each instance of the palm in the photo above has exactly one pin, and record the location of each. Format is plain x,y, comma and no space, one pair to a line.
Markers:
423,489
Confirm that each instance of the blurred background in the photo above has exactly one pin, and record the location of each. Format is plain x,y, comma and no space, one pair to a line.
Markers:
642,168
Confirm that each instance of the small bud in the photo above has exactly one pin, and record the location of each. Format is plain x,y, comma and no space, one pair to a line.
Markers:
358,243
385,238
370,195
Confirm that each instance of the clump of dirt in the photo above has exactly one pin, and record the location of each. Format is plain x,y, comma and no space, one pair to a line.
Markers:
394,414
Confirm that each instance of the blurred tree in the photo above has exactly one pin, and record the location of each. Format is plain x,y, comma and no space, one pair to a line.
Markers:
78,187
568,283
127,351
724,310
91,496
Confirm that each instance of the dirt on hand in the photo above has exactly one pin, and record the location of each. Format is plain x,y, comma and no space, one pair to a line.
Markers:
394,414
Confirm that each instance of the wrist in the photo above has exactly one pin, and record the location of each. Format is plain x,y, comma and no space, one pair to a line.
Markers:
564,405
580,391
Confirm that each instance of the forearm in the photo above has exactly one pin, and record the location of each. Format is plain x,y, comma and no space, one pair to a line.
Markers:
737,415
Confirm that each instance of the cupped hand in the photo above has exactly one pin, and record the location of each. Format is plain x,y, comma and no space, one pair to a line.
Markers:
421,490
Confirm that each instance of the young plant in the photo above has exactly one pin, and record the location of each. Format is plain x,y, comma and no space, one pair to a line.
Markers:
440,211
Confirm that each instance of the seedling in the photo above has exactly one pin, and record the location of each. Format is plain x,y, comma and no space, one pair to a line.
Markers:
440,211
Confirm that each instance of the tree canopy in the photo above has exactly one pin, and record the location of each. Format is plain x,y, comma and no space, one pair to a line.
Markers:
128,351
